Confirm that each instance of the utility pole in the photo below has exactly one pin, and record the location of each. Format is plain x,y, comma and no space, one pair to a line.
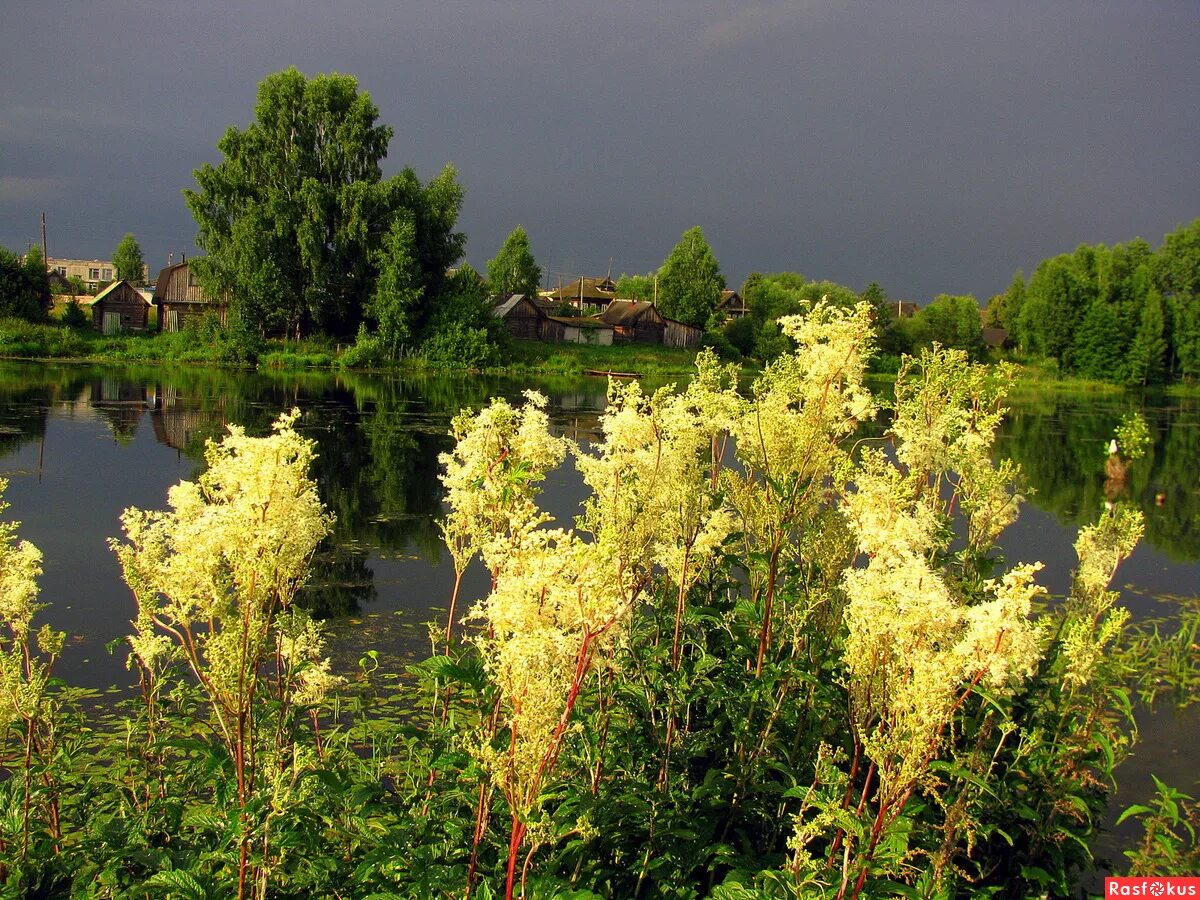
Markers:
45,258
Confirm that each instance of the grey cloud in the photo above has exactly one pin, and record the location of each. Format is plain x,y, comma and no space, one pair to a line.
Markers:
749,23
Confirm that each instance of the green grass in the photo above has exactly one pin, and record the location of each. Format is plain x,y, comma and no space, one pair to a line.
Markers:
575,359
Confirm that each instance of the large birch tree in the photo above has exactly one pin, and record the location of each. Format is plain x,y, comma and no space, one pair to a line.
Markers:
296,215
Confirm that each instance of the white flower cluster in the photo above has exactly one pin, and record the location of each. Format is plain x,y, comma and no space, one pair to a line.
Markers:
915,645
1091,622
23,677
211,573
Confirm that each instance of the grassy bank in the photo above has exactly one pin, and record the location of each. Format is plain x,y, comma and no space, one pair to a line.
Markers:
25,340
575,359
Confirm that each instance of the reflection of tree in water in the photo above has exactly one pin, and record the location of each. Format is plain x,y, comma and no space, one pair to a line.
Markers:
1061,444
1173,522
376,466
28,391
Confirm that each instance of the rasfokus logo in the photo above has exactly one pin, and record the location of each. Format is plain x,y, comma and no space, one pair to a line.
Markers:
1152,887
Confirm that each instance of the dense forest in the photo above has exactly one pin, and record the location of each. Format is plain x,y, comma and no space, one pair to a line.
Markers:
1125,313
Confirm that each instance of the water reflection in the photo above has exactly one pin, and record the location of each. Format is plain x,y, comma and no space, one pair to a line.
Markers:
1061,443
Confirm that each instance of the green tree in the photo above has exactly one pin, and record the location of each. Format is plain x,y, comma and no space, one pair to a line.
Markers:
24,286
1147,354
1185,312
636,287
1099,344
294,216
1177,261
514,270
954,321
127,260
881,308
461,331
1010,309
397,289
690,280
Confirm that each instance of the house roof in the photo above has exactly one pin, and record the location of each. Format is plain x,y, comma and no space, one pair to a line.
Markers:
110,289
591,289
581,321
165,273
174,285
504,304
629,312
679,324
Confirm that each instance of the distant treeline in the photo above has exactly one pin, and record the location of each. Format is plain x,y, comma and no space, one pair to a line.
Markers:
1127,313
952,321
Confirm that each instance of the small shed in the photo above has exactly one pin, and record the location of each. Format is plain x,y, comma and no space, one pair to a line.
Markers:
635,321
119,307
179,298
521,315
680,334
576,330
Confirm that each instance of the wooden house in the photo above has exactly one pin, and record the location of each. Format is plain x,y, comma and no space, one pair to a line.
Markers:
680,334
119,307
732,305
586,292
179,298
636,321
522,316
576,330
905,309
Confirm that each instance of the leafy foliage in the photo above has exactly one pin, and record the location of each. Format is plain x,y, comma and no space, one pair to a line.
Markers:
301,227
1126,313
513,269
127,260
690,280
24,286
777,654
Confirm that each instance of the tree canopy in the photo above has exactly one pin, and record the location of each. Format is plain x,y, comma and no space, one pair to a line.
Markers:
636,287
127,260
298,221
690,280
1123,313
513,270
24,286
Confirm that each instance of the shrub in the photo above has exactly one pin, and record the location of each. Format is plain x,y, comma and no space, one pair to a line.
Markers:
456,346
73,315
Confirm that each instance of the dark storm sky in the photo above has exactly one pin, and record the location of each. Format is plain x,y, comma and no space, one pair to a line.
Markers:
933,147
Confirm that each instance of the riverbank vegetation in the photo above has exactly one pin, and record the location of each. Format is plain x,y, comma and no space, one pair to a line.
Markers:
772,658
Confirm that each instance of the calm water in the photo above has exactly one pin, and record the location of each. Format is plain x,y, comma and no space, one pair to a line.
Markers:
81,443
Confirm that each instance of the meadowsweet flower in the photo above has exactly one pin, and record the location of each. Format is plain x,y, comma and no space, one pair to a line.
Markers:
1092,622
915,644
212,571
492,475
